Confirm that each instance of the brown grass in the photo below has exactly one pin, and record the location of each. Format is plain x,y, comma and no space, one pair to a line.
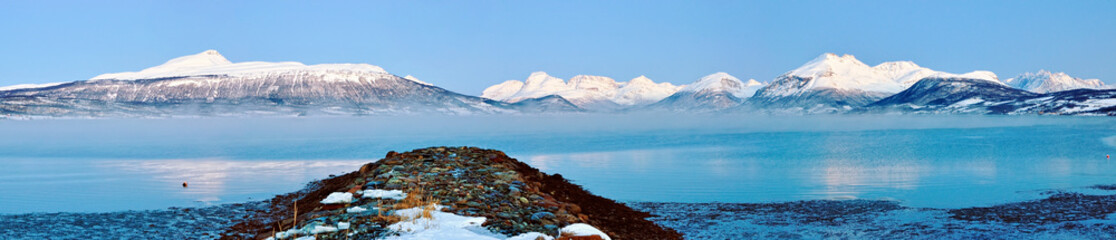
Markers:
416,197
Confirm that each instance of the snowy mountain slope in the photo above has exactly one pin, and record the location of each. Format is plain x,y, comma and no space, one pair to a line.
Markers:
25,86
1081,101
547,104
414,79
642,91
207,84
958,95
585,91
937,94
724,82
832,81
716,91
1045,82
210,62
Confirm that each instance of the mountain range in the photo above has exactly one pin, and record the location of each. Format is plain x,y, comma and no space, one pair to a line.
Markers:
208,84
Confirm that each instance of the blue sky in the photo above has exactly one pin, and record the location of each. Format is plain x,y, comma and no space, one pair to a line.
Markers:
466,46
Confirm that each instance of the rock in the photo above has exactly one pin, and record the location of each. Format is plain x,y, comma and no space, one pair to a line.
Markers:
542,215
374,185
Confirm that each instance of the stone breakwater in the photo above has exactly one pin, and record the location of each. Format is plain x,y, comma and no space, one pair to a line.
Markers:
512,197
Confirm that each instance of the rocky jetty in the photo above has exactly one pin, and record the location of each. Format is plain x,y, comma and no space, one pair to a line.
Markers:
483,187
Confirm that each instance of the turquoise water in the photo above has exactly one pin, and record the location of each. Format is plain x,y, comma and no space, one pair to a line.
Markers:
923,161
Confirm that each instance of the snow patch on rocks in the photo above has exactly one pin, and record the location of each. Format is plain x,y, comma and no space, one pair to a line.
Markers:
338,198
386,194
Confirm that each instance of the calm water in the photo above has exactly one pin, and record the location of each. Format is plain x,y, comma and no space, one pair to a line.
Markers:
924,161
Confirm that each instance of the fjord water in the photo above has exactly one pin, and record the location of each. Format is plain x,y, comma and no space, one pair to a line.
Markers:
84,165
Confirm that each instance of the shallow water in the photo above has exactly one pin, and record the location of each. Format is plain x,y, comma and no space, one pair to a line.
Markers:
923,161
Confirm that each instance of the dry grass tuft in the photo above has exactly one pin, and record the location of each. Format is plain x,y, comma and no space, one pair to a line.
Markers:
416,198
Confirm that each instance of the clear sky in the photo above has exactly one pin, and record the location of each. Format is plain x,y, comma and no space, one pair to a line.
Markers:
466,46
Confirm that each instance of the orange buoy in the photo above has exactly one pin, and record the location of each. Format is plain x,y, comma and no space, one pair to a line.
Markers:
183,184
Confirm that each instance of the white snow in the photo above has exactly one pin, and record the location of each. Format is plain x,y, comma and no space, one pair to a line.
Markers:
338,198
531,236
847,73
724,82
343,225
1046,81
356,209
968,102
322,229
414,79
1090,105
582,90
210,62
581,229
25,86
641,90
443,225
413,220
379,193
502,91
308,230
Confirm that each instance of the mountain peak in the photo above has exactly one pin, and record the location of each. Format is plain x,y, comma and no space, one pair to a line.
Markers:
210,52
538,74
828,64
897,66
1045,81
204,59
641,80
722,81
832,57
595,83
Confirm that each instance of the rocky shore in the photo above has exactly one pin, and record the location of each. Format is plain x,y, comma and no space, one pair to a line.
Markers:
486,188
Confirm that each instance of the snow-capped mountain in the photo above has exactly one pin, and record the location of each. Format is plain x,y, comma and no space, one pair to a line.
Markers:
1081,101
552,103
843,82
959,95
1045,81
585,91
208,84
642,91
716,91
936,94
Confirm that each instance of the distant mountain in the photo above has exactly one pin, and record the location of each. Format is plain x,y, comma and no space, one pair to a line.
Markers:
587,92
552,103
1045,81
840,83
936,94
718,91
208,84
1070,102
959,95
